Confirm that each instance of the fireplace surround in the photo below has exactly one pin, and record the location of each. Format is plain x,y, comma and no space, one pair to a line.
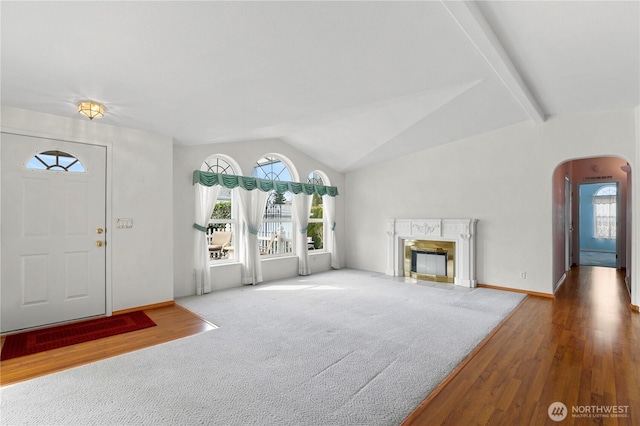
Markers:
460,231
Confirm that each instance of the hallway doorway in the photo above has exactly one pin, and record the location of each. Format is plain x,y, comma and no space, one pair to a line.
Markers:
601,237
598,224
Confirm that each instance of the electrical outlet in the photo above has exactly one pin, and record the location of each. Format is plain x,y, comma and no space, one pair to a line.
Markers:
523,275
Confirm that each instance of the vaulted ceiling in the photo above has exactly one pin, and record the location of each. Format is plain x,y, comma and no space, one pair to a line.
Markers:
349,83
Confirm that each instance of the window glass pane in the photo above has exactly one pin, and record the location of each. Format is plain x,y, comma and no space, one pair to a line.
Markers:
274,237
607,190
222,225
316,201
48,159
315,235
275,234
66,161
217,165
315,229
57,161
604,203
271,168
34,163
315,179
222,209
76,167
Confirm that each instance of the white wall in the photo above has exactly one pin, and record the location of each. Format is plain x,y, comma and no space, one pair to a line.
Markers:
186,159
503,178
140,267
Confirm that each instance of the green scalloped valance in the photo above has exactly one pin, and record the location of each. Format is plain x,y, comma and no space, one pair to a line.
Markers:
251,183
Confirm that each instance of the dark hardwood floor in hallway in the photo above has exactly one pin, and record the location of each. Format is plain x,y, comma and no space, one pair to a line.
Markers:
581,348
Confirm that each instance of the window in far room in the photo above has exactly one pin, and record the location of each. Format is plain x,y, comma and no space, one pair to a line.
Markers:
275,234
222,225
604,208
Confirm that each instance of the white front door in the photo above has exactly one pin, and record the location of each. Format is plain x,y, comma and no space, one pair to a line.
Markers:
53,231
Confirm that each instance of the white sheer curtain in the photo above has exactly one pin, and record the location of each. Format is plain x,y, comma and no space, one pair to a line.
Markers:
605,216
302,209
330,244
252,204
206,197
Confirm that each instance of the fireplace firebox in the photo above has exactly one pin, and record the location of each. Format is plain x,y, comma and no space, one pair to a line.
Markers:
430,260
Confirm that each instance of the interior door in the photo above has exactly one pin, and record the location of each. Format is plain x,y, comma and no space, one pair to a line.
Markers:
53,224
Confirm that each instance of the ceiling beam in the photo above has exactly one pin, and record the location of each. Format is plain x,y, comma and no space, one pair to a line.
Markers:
473,24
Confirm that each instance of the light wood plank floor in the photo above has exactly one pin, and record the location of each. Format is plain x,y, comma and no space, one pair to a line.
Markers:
172,322
581,349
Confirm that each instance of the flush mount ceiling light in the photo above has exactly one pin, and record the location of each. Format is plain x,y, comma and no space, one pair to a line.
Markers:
91,109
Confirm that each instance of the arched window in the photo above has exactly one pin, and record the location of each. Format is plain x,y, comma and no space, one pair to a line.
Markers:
316,227
222,225
56,161
275,234
605,212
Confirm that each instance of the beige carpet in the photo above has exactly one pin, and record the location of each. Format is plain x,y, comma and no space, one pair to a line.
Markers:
338,348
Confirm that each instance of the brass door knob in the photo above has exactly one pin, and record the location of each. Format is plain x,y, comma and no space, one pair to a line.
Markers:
99,231
99,243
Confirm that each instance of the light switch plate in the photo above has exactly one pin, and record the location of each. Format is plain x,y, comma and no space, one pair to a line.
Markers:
124,223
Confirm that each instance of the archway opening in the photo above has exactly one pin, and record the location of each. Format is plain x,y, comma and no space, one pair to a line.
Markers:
575,184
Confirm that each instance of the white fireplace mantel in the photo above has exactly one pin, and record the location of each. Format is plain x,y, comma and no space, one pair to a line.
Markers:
460,231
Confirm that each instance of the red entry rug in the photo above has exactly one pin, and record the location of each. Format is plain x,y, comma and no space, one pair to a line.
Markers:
35,341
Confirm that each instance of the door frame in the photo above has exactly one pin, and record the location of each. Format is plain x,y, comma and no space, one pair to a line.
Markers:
108,198
568,223
578,228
